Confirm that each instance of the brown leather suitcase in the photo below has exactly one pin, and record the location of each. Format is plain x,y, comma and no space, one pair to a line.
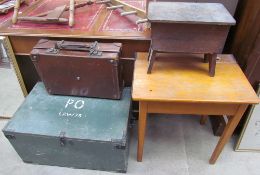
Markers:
79,68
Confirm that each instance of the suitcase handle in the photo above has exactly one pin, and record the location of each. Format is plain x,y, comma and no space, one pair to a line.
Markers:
92,48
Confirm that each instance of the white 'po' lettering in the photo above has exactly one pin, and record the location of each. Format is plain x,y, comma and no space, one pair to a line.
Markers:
81,105
69,102
77,105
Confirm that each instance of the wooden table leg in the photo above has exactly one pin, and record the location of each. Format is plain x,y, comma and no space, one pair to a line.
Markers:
71,12
203,119
152,56
206,57
229,129
141,129
16,10
212,64
149,53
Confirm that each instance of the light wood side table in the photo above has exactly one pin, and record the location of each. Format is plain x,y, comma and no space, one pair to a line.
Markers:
180,86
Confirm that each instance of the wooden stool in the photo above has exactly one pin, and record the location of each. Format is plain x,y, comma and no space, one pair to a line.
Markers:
188,28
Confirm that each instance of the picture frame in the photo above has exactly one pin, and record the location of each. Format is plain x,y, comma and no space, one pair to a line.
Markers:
13,88
249,139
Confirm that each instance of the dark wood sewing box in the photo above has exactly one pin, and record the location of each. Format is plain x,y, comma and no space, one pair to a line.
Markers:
183,27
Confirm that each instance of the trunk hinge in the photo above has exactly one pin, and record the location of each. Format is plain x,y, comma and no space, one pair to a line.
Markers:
62,138
10,136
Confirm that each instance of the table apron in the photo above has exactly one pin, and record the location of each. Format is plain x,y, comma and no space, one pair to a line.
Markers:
192,108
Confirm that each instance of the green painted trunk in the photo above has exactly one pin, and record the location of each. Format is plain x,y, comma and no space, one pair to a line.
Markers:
71,131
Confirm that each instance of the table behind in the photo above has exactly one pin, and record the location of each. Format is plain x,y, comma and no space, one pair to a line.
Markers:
92,23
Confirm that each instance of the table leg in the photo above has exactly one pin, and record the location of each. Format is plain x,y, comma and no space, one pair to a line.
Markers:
149,53
71,10
229,129
203,119
141,129
152,55
206,57
212,64
16,10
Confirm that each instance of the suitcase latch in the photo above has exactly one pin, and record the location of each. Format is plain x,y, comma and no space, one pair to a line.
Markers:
62,139
93,50
52,50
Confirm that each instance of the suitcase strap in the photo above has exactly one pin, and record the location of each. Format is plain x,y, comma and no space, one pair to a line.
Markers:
94,49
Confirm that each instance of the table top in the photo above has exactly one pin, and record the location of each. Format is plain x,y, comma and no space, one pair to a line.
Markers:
91,21
184,78
188,12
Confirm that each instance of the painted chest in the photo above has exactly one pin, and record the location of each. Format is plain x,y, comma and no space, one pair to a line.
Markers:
87,133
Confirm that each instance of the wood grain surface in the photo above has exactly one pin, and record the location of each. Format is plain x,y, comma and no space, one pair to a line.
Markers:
188,12
91,21
184,78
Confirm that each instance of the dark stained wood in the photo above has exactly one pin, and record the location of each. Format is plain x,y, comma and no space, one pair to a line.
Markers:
188,38
189,13
23,39
245,44
151,59
206,57
79,68
218,124
253,66
203,119
212,64
23,45
8,6
246,31
229,4
28,71
127,7
188,28
93,32
128,67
